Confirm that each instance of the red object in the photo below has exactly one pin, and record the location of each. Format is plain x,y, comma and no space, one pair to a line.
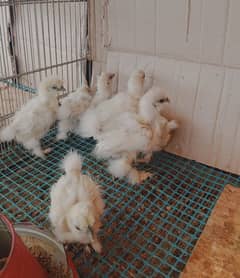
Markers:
20,262
72,267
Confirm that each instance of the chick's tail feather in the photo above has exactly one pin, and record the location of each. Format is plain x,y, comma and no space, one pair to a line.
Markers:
72,163
7,134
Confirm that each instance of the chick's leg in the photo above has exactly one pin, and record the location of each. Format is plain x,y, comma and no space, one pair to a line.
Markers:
96,245
34,146
66,237
146,159
63,127
47,151
87,249
136,176
143,175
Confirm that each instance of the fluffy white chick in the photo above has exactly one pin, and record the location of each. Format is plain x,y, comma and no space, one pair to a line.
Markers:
131,132
93,120
36,117
76,205
71,109
104,88
151,107
162,127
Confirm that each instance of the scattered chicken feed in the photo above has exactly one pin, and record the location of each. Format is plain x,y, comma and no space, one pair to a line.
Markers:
44,254
148,229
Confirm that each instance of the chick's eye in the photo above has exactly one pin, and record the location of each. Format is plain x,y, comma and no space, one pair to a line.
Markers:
54,87
161,100
77,228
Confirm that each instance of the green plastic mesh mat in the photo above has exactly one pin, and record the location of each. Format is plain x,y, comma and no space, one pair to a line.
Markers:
149,230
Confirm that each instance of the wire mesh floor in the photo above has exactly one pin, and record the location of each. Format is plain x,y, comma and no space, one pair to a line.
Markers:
149,230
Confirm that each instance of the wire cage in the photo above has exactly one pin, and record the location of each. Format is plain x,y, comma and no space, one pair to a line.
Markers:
149,229
39,38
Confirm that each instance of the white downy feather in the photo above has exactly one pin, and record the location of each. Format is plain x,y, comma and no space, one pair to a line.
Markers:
104,88
120,140
151,104
71,110
76,205
136,133
35,118
72,164
122,167
94,120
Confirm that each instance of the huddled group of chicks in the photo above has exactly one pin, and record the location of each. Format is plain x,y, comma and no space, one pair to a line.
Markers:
128,127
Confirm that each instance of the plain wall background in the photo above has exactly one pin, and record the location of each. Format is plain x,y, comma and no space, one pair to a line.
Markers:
191,48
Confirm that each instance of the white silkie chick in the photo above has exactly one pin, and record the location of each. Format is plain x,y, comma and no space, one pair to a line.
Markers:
162,127
104,88
94,120
35,118
71,109
140,132
76,205
131,134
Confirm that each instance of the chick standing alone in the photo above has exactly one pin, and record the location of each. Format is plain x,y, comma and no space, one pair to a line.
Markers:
35,118
76,205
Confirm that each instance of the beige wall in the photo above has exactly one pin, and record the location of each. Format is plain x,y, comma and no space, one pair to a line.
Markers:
190,47
194,30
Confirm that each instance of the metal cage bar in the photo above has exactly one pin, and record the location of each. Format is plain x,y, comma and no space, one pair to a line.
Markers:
39,38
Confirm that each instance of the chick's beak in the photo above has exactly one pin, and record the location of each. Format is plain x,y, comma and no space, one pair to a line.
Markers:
111,76
90,233
62,88
163,100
